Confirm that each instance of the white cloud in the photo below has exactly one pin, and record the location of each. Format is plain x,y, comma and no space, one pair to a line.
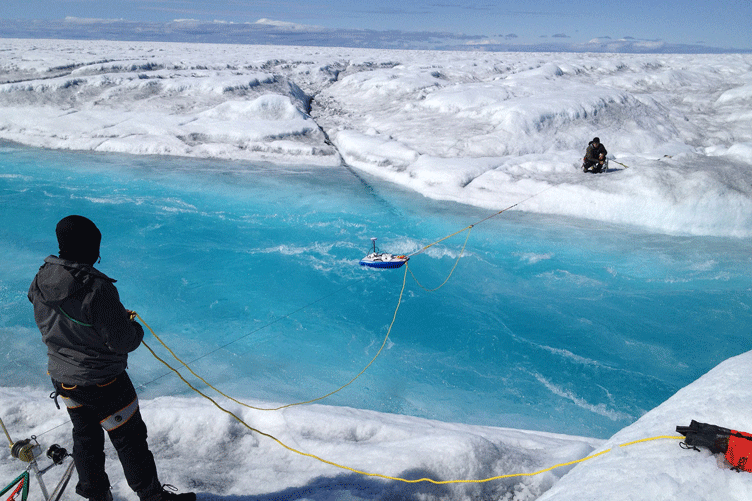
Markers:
269,31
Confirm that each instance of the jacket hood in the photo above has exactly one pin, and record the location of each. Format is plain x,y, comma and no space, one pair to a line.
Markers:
58,279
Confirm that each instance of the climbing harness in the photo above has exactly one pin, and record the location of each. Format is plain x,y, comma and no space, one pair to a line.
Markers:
118,419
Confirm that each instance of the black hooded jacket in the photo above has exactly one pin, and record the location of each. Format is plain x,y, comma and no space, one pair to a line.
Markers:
83,323
593,152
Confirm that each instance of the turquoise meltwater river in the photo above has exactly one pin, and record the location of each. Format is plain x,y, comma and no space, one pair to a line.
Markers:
250,273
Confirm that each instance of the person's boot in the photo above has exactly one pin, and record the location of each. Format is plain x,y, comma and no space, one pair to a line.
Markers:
166,492
106,496
169,493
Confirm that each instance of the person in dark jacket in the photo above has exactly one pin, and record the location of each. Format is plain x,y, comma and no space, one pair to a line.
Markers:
595,156
89,334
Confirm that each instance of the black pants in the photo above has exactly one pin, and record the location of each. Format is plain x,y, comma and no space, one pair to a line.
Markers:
88,407
596,165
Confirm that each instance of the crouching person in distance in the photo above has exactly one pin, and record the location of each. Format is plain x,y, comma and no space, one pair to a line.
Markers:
595,156
89,334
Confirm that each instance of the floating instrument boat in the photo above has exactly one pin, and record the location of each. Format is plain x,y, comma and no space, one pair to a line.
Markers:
378,259
383,260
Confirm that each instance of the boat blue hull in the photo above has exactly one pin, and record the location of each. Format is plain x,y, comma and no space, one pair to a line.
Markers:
381,264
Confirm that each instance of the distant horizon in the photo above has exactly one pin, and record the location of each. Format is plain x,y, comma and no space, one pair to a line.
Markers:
270,32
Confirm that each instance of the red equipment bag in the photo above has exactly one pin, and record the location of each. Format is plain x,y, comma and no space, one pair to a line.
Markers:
740,450
736,446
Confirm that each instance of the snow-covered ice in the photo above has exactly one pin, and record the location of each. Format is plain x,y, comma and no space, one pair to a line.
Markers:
661,470
488,129
198,447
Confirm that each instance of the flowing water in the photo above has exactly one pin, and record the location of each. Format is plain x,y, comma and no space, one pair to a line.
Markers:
250,273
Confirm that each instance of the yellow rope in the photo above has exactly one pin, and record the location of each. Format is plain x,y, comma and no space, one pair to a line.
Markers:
651,438
337,465
383,344
456,262
10,440
378,475
361,472
450,236
481,221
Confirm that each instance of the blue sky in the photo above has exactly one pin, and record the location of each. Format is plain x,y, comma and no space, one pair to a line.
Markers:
725,24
